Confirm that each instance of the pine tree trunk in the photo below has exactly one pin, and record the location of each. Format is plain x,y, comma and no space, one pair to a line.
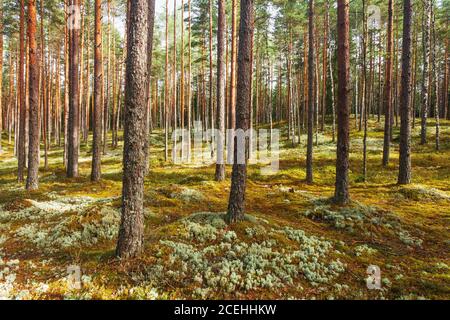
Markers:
166,89
311,68
238,180
388,86
220,166
43,90
33,150
22,106
151,21
182,85
1,72
364,87
404,176
324,67
435,49
341,195
66,83
232,99
174,76
74,101
98,98
189,112
426,76
131,232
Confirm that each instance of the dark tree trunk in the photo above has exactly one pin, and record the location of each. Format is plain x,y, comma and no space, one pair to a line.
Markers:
388,86
311,67
74,101
98,94
404,175
33,149
220,166
343,113
131,232
238,180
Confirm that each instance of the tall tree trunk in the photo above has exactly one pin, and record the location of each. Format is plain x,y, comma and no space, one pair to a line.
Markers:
66,82
44,101
98,94
182,84
426,76
220,166
189,112
404,175
341,194
311,68
364,87
131,232
1,73
74,101
33,150
388,85
211,86
232,99
445,103
238,180
174,75
107,81
87,88
151,22
324,66
22,106
435,49
166,89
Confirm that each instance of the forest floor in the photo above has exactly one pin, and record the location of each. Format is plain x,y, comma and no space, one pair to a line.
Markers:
294,243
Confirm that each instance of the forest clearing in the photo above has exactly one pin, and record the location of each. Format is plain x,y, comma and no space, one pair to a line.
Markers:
224,149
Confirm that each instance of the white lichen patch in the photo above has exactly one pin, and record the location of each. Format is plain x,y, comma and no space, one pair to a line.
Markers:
420,192
408,239
72,231
361,217
56,206
364,250
221,261
188,195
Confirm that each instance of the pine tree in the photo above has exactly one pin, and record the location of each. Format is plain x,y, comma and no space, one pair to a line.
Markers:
33,151
404,175
131,232
341,195
236,201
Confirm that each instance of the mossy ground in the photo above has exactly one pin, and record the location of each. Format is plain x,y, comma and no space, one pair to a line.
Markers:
403,230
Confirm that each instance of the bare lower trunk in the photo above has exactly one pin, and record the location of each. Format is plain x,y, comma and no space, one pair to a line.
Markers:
74,101
98,96
341,194
388,86
21,94
426,63
238,180
404,175
131,232
311,67
33,150
220,166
